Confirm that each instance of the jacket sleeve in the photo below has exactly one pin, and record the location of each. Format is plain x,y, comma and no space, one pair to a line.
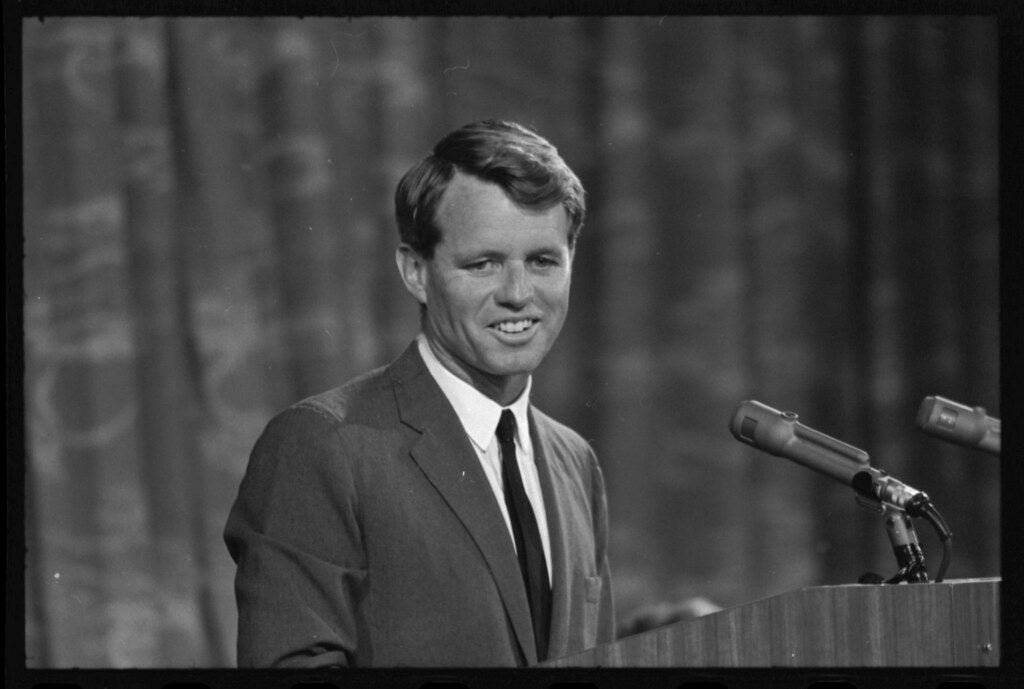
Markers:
599,505
294,533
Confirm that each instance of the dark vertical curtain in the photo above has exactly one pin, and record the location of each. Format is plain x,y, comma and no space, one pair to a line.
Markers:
798,210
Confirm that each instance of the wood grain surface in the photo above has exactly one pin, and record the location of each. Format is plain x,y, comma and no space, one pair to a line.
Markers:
950,624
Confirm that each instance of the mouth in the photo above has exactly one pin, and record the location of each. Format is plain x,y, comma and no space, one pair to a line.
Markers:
518,326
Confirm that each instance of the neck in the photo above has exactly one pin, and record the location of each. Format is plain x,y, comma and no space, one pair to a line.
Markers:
506,392
502,389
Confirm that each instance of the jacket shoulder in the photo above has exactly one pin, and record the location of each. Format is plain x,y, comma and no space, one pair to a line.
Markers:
567,442
367,399
549,425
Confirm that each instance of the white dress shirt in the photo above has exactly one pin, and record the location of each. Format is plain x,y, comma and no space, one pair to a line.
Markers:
479,416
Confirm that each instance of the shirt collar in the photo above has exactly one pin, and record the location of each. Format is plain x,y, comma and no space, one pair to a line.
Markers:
478,413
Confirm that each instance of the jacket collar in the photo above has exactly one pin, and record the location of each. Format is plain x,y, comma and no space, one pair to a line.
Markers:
555,483
477,412
445,455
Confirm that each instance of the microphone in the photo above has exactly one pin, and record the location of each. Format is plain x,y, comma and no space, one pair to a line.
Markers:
780,434
960,424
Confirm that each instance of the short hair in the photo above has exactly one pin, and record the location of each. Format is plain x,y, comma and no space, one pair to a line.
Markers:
524,164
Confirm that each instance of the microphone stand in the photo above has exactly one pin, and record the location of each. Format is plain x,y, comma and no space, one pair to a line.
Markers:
903,538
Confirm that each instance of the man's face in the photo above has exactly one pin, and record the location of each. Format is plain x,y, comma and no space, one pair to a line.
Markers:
497,287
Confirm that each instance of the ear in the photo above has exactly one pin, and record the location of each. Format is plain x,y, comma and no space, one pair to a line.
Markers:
413,269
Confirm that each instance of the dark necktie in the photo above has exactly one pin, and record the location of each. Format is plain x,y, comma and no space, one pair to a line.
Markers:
526,534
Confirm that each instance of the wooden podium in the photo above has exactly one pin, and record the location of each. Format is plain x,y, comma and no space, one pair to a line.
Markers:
952,624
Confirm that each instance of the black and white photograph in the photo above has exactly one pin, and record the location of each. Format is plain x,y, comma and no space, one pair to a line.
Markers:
515,342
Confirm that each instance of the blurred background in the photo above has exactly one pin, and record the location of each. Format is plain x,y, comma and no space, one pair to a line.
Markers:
797,210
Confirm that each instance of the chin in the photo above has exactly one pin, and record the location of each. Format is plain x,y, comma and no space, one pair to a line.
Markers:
514,365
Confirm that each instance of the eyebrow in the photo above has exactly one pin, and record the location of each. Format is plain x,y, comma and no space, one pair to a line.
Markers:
479,254
471,255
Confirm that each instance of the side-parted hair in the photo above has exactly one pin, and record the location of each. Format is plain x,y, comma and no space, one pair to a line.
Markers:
510,155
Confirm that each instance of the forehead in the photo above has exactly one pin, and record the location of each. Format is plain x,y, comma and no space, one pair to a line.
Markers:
473,210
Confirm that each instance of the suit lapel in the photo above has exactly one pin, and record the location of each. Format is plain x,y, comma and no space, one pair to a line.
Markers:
551,475
446,456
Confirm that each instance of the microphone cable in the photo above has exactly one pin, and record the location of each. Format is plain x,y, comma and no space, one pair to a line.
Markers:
921,506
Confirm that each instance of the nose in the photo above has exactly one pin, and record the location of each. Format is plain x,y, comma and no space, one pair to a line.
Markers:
515,289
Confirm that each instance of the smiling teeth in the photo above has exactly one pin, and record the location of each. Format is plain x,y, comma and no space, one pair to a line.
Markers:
514,326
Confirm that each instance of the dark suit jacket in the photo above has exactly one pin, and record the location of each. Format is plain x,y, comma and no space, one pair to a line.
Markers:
366,534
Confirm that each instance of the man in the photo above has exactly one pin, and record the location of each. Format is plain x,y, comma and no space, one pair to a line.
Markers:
425,514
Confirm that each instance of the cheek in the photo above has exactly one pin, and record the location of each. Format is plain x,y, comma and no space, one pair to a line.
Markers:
556,294
457,301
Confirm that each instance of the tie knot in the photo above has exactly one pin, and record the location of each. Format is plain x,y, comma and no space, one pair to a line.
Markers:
506,427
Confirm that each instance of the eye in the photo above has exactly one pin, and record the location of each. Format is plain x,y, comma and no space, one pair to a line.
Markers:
545,261
479,266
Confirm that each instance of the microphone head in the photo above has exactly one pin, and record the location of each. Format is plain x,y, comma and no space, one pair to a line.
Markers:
779,433
957,423
763,427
